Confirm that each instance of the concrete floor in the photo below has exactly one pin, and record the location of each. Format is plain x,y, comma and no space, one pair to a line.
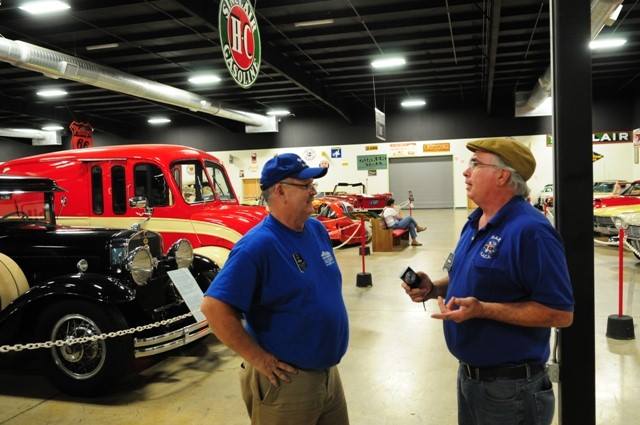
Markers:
397,369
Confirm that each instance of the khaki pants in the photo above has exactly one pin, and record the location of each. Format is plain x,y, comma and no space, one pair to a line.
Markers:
311,398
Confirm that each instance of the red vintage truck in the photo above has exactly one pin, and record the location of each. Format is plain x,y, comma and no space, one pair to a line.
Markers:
177,191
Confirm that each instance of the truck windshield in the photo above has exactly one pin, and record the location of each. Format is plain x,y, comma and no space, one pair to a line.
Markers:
195,182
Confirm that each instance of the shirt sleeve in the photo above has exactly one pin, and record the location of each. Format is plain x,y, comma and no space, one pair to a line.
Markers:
544,269
237,281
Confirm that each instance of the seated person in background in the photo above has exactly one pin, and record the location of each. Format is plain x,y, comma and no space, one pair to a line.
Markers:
394,220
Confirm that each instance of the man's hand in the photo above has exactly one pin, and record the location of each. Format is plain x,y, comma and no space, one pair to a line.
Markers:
275,370
459,309
423,292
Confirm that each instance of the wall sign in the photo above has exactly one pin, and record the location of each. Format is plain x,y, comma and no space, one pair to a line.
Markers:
240,41
372,162
402,149
436,147
336,152
612,137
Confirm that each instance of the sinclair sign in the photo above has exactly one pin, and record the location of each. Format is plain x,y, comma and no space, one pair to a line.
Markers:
240,41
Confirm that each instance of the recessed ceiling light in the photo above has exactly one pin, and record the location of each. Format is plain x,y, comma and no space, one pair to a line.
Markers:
313,23
390,62
278,112
102,46
41,7
158,120
53,127
51,93
413,103
203,79
607,43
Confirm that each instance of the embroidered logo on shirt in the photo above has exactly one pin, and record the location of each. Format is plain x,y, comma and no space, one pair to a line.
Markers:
490,248
328,258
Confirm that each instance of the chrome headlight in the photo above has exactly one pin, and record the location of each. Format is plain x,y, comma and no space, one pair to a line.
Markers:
140,265
620,223
182,251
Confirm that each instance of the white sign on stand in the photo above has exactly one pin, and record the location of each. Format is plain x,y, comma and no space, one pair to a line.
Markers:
189,291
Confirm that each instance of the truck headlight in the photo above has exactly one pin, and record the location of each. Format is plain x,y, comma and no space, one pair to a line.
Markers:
140,265
182,251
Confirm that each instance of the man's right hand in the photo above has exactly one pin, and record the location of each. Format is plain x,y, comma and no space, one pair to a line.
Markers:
275,370
422,293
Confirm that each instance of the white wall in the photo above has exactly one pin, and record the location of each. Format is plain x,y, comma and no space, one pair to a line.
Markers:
616,164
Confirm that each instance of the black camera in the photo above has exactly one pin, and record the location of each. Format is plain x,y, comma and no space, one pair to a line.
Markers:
411,278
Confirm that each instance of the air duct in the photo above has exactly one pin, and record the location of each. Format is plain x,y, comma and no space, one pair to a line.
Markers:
59,65
601,10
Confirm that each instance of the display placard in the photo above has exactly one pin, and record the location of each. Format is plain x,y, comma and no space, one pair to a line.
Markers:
189,291
372,162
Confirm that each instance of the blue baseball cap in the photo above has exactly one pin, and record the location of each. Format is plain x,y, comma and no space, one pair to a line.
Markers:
286,165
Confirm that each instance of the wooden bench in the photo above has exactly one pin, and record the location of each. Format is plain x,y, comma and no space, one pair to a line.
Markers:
384,239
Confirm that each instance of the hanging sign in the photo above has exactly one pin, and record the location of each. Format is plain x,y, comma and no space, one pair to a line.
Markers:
381,129
240,41
81,135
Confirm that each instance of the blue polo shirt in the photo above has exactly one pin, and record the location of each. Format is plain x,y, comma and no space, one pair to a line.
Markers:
289,287
517,257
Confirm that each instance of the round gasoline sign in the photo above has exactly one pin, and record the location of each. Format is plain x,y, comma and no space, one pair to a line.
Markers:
240,40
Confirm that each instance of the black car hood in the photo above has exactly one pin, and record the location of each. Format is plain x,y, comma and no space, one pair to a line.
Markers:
43,250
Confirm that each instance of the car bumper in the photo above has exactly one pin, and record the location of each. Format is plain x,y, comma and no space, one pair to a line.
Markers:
157,344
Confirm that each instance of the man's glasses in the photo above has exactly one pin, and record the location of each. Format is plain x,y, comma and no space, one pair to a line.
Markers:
308,186
474,163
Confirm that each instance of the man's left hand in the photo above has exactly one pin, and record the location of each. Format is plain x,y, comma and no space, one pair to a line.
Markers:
459,309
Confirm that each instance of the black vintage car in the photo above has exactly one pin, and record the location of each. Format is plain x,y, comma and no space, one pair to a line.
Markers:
58,283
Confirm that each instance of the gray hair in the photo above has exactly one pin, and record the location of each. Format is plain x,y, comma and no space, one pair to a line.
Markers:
517,183
266,194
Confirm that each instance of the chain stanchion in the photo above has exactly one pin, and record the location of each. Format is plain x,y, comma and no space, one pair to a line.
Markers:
620,326
93,338
363,279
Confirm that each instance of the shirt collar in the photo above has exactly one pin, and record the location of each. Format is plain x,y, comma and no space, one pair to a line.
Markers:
499,216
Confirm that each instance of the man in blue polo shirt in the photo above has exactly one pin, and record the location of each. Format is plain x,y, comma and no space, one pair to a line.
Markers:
283,278
507,285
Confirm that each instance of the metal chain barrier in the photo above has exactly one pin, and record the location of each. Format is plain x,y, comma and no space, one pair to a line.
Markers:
85,339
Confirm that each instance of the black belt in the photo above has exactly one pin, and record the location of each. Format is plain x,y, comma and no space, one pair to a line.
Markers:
521,371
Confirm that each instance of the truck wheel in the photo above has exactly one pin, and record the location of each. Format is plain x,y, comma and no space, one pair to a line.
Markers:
204,279
85,368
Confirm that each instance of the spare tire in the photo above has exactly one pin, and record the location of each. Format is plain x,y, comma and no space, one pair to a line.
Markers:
13,282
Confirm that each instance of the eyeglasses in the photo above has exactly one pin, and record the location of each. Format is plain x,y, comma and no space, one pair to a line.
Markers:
308,186
474,163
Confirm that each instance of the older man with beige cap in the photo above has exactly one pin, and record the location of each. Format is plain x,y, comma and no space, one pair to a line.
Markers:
507,285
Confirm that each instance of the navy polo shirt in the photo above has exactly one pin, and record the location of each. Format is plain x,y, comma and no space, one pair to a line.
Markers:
289,287
517,257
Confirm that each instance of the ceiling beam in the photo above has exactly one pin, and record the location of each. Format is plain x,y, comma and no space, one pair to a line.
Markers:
496,5
275,60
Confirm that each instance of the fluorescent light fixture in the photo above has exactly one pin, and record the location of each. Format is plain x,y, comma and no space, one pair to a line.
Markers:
102,46
278,112
158,120
313,23
42,7
607,43
51,93
53,127
387,63
203,79
413,103
616,13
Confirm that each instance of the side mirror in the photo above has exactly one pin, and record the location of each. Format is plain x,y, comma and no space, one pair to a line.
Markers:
138,202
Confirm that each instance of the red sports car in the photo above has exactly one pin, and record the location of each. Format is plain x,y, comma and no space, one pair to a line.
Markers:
342,222
360,201
629,196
